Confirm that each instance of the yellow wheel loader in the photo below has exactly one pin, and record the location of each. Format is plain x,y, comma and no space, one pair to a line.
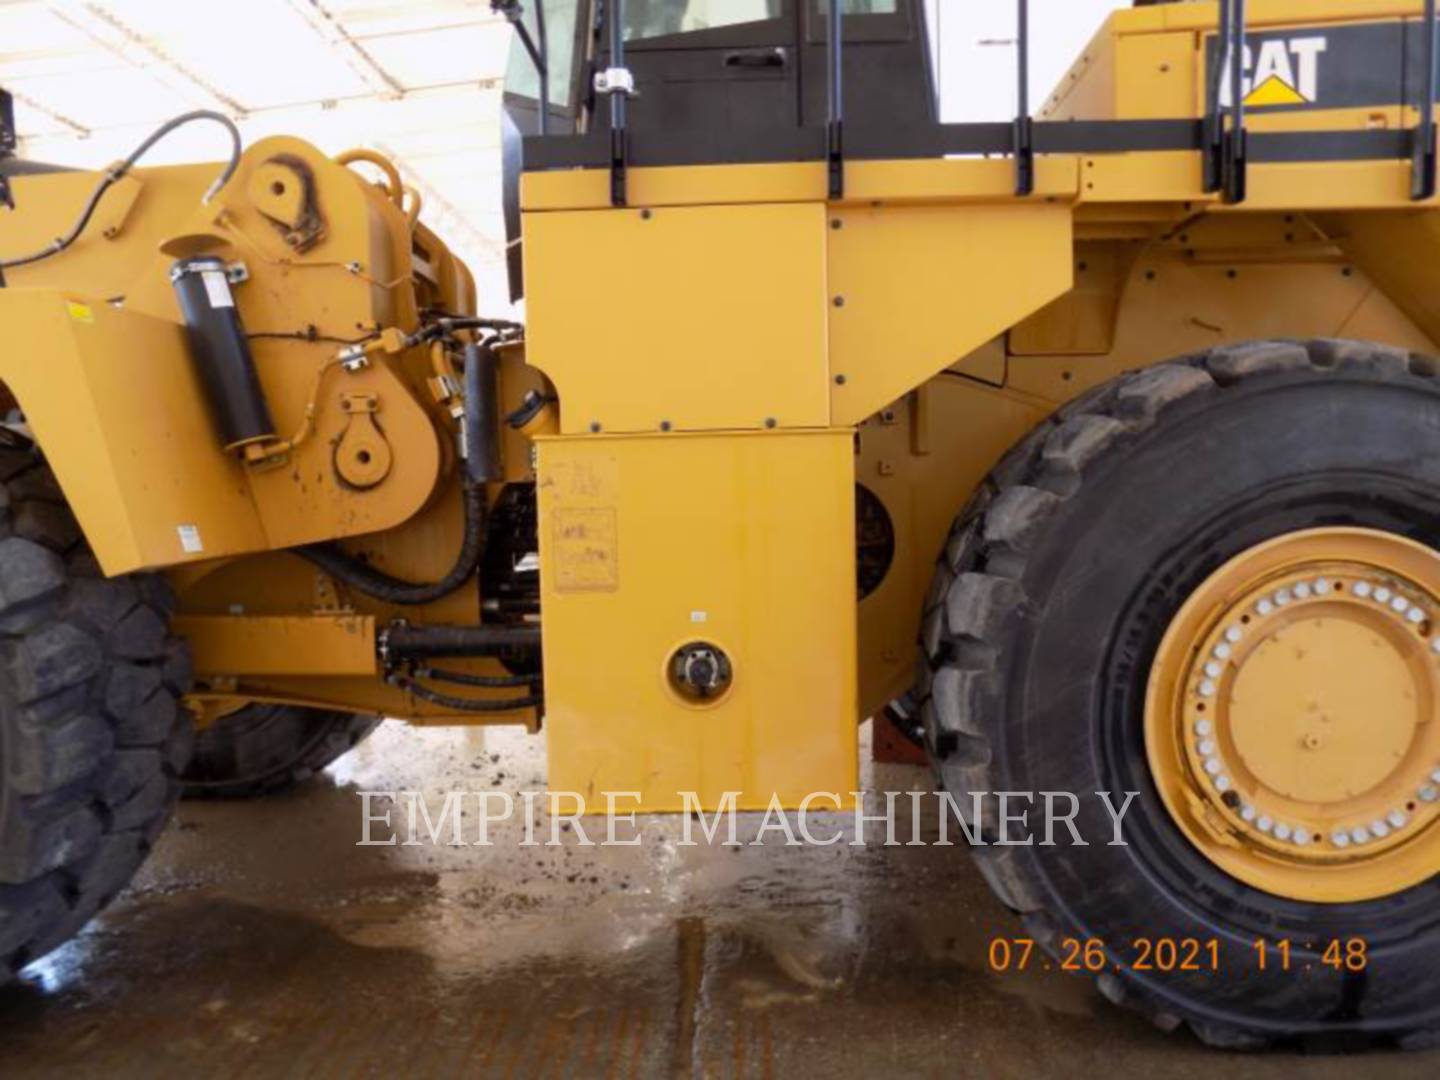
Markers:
1123,409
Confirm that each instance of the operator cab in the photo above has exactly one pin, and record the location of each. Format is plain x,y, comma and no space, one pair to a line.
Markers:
699,64
717,81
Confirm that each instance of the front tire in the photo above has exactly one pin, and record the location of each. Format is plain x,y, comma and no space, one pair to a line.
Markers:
1049,604
92,736
262,748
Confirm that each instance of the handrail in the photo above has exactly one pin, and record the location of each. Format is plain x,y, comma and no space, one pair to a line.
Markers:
1235,150
835,99
1024,148
619,108
1423,173
1216,71
1219,135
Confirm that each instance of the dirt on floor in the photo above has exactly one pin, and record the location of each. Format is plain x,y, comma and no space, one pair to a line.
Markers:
262,940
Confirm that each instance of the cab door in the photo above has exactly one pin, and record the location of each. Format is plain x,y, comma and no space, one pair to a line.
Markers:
716,65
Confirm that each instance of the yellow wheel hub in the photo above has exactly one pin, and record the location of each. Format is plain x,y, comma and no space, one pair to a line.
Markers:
1291,718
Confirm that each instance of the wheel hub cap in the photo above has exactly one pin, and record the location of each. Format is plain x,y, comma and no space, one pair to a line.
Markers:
1291,719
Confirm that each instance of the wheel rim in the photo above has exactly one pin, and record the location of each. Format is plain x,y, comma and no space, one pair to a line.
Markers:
1291,716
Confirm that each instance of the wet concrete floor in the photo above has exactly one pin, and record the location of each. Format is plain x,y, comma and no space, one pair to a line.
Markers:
261,941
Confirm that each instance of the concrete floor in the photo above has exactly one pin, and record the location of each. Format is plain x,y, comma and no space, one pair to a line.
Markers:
259,940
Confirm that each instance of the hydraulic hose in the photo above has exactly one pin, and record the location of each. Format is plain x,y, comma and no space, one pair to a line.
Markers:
401,643
464,678
115,172
481,467
462,704
393,590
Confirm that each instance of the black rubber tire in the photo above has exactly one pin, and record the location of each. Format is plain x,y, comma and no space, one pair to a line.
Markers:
261,749
92,736
1048,604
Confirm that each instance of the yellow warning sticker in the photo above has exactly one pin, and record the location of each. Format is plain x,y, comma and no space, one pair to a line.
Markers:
80,312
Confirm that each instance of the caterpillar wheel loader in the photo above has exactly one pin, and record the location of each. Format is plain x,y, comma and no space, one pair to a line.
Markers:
1124,410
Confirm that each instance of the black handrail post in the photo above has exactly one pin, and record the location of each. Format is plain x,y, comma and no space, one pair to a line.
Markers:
835,101
1423,169
1214,125
1024,125
8,139
544,67
619,98
1235,139
8,142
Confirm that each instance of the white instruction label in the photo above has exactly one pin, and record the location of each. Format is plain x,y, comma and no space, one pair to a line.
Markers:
217,288
189,538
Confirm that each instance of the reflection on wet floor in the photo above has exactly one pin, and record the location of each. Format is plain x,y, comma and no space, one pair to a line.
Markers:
261,940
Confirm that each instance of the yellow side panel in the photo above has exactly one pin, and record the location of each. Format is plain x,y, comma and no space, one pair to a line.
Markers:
703,317
1155,76
234,645
112,398
917,288
744,541
1401,253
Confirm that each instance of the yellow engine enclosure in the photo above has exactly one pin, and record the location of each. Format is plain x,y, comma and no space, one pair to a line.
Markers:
652,543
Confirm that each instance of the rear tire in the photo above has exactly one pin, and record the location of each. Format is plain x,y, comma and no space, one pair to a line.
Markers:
261,749
1049,603
92,736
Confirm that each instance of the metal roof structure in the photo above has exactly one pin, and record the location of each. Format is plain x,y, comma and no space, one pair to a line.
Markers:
419,80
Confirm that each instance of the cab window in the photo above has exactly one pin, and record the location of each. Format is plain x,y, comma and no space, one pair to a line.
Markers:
521,78
658,18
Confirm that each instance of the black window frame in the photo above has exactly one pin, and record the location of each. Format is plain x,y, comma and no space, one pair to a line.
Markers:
580,69
895,25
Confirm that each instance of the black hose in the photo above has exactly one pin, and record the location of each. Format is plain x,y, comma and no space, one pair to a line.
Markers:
400,642
482,425
463,678
449,701
480,467
115,172
446,325
393,590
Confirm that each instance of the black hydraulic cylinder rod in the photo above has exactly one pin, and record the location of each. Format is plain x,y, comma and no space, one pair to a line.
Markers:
220,352
426,642
482,414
